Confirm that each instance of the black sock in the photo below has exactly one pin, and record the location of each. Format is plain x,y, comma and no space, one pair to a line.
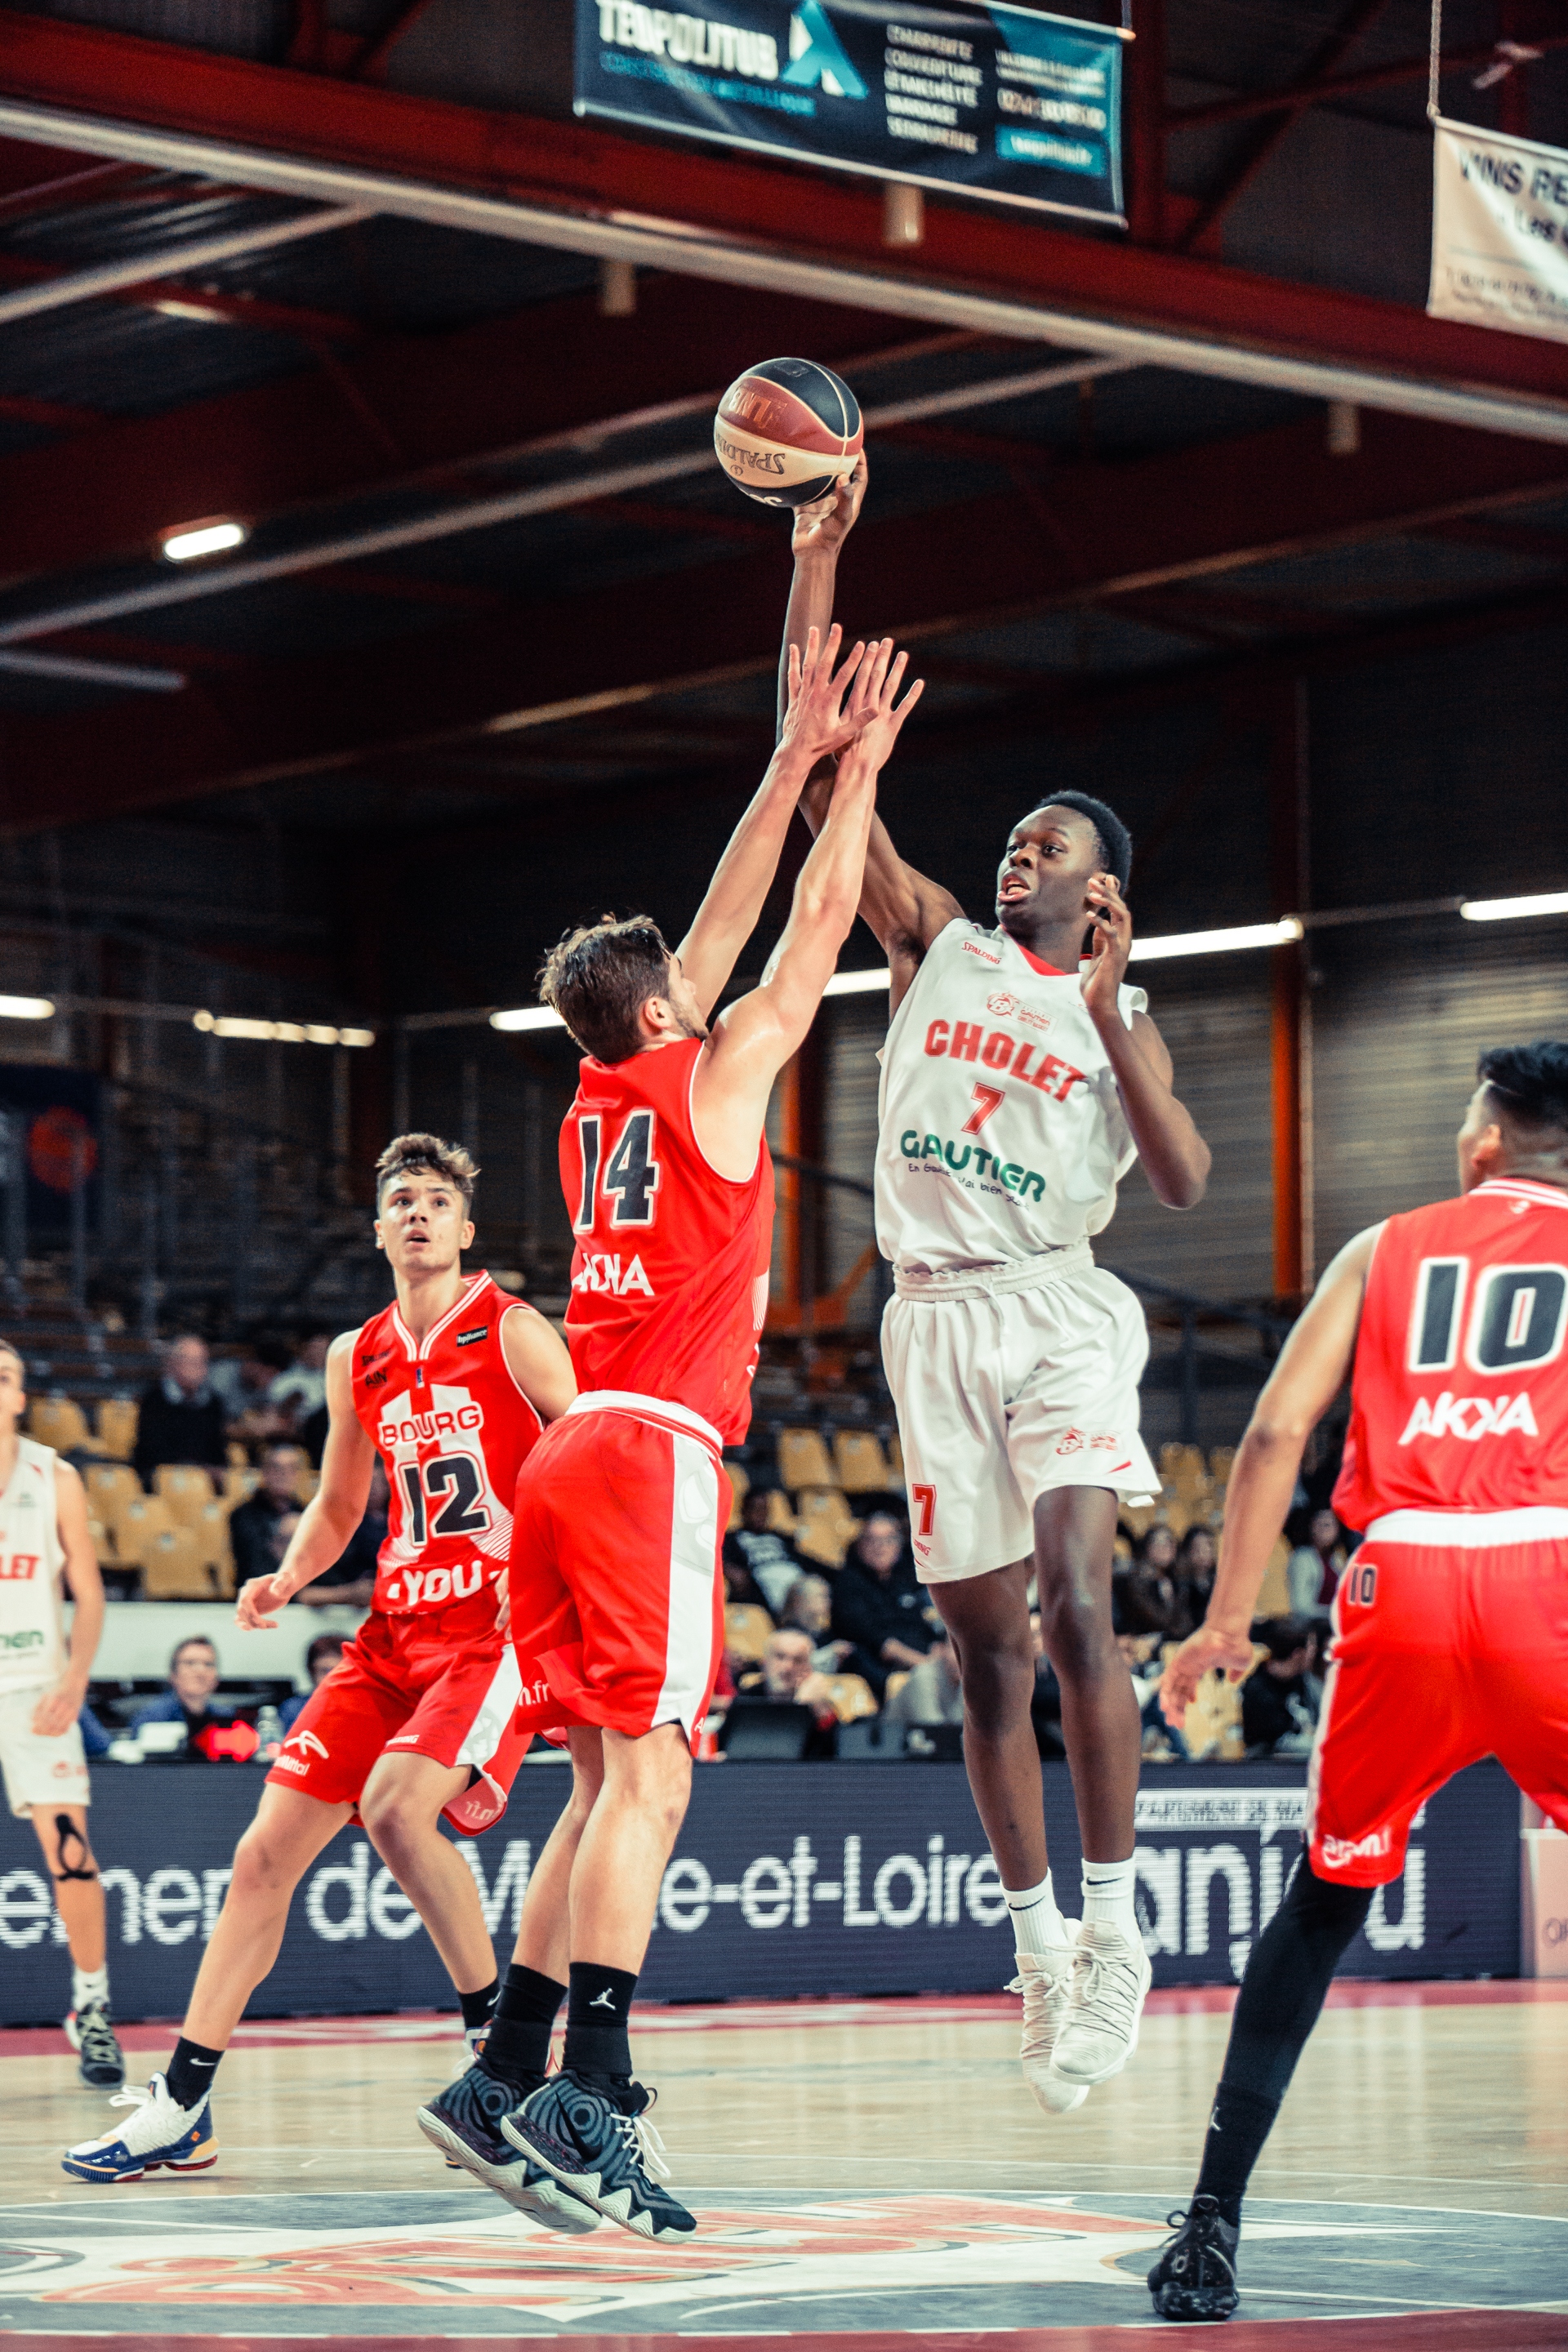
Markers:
518,2050
478,2006
1281,1996
599,2005
190,2072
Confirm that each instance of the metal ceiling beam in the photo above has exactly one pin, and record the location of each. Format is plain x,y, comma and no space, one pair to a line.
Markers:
202,253
176,298
737,222
1188,514
1321,88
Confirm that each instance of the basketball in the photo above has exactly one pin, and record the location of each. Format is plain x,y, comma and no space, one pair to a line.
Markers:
786,431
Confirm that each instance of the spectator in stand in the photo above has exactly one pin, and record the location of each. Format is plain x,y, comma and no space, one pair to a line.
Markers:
180,1418
302,1388
933,1694
808,1609
240,1381
350,1582
193,1679
771,1562
1278,1698
96,1739
1317,1566
785,1677
319,1659
1198,1558
1148,1601
879,1606
260,1528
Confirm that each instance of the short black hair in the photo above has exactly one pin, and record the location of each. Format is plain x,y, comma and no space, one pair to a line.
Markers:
325,1643
1283,1636
1533,1081
1115,843
599,977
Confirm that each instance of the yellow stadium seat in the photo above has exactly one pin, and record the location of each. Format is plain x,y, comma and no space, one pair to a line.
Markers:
1139,1517
860,1462
117,1420
306,1482
1274,1593
238,1459
240,1483
782,1520
58,1421
746,1629
804,1460
211,1529
104,1480
137,1525
851,1697
825,1527
1220,1462
893,1685
895,1461
103,1542
173,1569
185,1491
738,1487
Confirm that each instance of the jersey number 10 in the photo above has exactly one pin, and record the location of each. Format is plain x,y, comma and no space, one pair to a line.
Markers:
630,1177
1517,1315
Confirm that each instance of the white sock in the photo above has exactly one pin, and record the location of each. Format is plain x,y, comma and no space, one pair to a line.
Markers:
1108,1897
89,1988
1038,1925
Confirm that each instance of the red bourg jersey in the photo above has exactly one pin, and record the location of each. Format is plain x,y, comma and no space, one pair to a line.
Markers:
669,1276
454,1429
1001,1130
1460,1395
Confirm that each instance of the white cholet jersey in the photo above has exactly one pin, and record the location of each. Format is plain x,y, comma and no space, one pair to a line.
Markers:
31,1634
1001,1130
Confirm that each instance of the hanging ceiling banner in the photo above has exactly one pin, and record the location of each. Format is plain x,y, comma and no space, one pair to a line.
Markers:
1499,232
1008,103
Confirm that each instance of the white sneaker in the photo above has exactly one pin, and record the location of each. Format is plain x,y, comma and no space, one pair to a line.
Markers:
1099,2032
158,2134
1045,1979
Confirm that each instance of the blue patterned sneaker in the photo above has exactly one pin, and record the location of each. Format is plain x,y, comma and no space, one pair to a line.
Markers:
159,2134
464,2124
603,2154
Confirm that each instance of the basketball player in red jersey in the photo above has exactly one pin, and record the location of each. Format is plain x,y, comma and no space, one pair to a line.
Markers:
616,1588
452,1385
1450,1623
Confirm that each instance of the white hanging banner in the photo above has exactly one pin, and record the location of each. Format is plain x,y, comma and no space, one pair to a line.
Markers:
1499,232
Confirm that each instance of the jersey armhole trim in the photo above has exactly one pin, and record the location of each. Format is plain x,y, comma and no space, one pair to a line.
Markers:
518,1306
738,1182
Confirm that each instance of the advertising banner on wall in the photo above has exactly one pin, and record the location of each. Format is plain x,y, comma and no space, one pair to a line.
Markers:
1010,103
787,1879
1499,232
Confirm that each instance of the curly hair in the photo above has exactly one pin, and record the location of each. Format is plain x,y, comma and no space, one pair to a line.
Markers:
427,1155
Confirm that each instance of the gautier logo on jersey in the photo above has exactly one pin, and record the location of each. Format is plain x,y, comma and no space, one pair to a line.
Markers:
604,1272
957,1155
966,1041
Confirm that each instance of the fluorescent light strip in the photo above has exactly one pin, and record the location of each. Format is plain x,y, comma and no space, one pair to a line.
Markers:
1192,943
279,1033
858,983
26,1008
1503,910
527,1016
203,539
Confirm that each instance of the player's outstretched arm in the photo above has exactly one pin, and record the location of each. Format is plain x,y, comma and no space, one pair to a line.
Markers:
333,1511
813,727
59,1706
1176,1157
1313,1366
905,909
537,1359
754,1039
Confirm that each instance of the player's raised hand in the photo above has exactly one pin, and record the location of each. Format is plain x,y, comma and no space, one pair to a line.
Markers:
1209,1647
816,722
874,707
257,1600
822,528
1110,945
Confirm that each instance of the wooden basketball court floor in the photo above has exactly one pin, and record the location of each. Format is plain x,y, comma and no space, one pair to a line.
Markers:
866,2174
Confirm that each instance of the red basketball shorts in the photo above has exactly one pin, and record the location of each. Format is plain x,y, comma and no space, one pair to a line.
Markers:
616,1593
1444,1652
443,1684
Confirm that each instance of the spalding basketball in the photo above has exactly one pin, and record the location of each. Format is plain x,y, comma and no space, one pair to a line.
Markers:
786,431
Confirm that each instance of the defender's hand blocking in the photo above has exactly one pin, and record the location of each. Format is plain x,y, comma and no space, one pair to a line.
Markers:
1199,1653
257,1600
817,723
874,705
822,528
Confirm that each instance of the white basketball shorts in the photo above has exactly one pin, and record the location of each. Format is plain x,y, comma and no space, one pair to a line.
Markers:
1007,1382
38,1771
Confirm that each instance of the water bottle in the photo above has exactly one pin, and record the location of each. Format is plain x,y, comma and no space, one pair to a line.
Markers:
268,1734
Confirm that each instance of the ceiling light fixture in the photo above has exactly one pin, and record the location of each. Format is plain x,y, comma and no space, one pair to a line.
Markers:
188,540
281,1033
1503,910
858,983
527,1016
26,1008
1246,935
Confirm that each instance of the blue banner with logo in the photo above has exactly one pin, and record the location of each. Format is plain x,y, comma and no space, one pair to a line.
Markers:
787,1879
1009,103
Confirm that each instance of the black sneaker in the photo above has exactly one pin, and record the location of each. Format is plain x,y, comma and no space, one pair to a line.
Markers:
1194,2277
90,2034
464,2124
603,2153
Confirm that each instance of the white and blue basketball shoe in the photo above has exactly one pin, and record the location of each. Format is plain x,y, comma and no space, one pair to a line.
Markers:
157,2136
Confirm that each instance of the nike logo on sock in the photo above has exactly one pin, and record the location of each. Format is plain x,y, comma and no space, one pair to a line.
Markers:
605,1999
205,2065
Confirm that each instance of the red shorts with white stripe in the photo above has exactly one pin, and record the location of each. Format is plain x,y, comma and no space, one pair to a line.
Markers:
1450,1644
443,1684
617,1590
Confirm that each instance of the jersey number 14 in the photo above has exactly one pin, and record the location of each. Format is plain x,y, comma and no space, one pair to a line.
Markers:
629,1179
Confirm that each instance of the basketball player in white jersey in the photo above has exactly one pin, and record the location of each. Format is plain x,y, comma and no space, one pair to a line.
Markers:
44,1542
1017,1087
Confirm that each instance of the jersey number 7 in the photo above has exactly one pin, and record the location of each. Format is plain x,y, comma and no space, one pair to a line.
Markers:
985,1100
924,1501
630,1178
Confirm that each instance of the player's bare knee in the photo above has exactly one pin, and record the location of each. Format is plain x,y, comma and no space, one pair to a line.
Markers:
1075,1617
263,1866
394,1824
997,1676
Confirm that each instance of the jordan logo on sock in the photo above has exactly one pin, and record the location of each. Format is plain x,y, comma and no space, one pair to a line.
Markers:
605,1999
